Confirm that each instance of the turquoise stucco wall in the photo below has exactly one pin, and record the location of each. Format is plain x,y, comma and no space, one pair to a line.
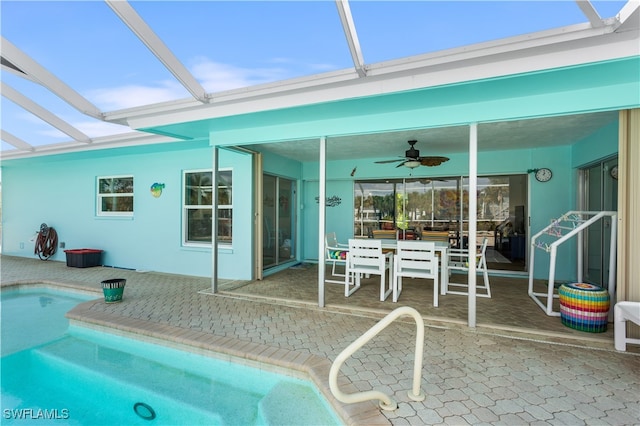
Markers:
338,219
601,144
61,191
280,166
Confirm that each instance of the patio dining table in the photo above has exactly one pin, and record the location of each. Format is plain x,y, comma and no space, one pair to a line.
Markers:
441,247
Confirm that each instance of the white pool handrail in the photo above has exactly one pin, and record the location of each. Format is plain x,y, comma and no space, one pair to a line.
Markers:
386,403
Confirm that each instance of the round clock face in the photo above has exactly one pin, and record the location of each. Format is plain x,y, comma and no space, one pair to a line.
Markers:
614,172
543,175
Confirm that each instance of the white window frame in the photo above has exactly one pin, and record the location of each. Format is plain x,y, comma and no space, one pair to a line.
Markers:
100,196
187,207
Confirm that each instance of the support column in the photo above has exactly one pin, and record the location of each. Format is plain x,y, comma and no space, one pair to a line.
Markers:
214,220
628,211
322,199
473,220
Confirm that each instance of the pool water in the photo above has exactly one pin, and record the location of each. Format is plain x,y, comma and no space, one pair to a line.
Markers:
81,376
31,317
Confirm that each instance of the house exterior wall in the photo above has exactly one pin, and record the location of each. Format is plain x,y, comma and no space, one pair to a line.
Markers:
61,191
601,144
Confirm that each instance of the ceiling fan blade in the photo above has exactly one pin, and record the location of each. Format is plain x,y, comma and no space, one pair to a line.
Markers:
433,161
389,161
412,158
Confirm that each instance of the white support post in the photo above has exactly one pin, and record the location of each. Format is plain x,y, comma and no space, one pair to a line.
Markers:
551,282
322,197
473,221
214,221
613,246
580,256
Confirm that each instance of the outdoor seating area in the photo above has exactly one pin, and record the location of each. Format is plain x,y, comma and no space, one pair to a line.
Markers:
429,276
394,259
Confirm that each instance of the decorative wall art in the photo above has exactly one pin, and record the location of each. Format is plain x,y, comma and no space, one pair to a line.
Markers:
156,189
331,201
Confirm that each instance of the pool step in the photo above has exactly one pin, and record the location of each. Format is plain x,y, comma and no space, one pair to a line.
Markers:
276,408
146,380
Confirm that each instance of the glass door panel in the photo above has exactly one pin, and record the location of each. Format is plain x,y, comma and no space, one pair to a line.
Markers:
408,206
286,219
600,194
502,219
269,226
279,227
610,203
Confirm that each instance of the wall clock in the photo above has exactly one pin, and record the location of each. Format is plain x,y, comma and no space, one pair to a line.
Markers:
543,175
614,172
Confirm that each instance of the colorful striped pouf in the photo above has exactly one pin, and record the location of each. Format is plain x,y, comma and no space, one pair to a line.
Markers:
584,307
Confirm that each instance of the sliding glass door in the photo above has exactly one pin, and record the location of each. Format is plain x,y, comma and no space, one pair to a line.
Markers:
600,193
279,226
411,206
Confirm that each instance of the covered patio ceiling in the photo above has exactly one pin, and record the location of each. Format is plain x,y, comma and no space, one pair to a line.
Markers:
520,134
126,66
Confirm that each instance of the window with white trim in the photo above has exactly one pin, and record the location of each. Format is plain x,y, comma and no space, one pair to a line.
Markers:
115,196
198,210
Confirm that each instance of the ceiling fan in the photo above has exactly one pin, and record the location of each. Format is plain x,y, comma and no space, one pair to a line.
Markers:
412,158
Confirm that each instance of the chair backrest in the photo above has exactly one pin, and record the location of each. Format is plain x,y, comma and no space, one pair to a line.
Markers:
332,250
482,252
465,255
435,236
416,258
384,234
365,254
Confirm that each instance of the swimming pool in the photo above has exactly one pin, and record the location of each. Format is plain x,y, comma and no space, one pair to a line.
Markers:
75,375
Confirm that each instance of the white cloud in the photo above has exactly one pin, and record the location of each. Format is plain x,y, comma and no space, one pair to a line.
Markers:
97,128
213,76
52,132
91,129
216,77
111,99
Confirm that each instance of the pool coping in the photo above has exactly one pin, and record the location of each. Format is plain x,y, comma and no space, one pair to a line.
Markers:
304,365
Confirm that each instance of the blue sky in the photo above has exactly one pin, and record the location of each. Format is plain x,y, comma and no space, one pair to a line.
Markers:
227,45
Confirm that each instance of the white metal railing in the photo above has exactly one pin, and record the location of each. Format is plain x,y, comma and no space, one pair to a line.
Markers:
564,228
386,403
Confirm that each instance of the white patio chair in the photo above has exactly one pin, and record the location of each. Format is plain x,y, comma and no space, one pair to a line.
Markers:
335,253
415,259
365,256
623,312
459,260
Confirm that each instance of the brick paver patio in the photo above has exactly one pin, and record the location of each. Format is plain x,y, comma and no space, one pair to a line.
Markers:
469,376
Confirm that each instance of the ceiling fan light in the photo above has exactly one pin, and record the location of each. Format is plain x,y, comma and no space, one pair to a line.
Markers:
412,164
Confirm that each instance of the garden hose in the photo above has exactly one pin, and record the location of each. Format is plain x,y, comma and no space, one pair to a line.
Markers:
46,242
